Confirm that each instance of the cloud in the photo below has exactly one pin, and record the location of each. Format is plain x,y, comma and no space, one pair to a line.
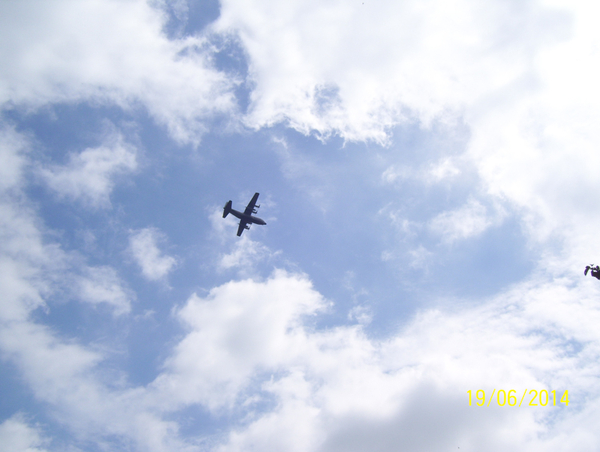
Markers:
361,314
250,351
16,435
103,285
12,144
33,268
245,254
89,176
436,172
109,52
60,372
525,84
83,393
357,70
143,245
240,328
521,77
25,259
468,221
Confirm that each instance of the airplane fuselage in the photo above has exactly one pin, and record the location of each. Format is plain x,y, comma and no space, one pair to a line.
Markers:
246,218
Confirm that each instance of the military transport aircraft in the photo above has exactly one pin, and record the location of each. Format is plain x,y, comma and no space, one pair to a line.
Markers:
246,217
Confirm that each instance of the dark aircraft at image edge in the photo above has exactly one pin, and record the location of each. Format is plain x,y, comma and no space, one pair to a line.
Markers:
246,217
595,271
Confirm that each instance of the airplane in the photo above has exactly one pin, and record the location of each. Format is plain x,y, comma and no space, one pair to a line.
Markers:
595,271
245,217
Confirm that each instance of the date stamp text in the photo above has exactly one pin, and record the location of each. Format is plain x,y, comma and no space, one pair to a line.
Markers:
534,398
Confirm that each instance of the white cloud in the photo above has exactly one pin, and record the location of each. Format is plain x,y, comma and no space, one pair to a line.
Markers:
109,51
82,391
103,285
358,69
16,435
63,373
12,145
238,329
521,76
443,170
299,389
532,106
468,221
337,389
25,260
143,245
420,257
246,254
537,147
59,371
436,172
250,351
32,268
362,314
89,176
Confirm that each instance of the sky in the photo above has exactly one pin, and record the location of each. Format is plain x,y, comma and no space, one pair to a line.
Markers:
428,172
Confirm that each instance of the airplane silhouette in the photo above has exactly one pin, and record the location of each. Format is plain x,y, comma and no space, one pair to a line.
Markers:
595,271
246,217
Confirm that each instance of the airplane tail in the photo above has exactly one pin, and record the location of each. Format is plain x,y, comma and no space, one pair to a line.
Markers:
227,209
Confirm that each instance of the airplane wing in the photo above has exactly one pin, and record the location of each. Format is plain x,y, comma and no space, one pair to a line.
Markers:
250,207
241,227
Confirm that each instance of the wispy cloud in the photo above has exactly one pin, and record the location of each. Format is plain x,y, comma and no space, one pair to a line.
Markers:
103,285
470,220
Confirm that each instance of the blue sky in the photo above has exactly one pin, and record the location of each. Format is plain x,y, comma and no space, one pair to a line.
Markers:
427,172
